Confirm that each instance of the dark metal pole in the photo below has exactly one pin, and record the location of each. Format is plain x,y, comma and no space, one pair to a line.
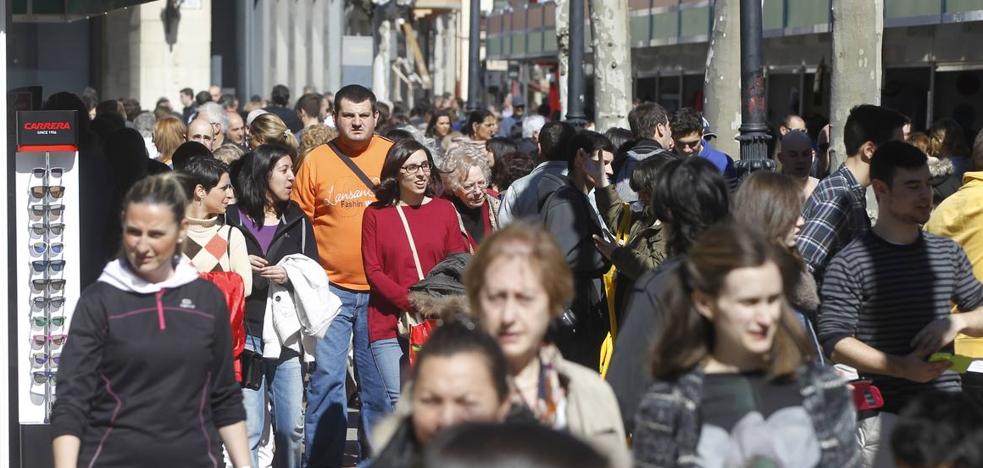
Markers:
575,75
474,59
754,130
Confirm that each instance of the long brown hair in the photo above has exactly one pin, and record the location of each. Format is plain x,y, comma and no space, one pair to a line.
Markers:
769,203
685,337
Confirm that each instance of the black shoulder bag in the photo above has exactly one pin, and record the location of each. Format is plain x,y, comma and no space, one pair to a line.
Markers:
351,165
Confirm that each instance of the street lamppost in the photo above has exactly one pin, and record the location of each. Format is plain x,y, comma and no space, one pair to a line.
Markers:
575,75
474,59
754,131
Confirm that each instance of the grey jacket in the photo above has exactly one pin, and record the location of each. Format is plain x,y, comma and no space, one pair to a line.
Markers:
667,426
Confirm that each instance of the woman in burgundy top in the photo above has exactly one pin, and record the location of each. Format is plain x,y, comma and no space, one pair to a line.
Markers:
406,187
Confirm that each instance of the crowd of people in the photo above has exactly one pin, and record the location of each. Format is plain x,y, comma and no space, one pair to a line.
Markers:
505,289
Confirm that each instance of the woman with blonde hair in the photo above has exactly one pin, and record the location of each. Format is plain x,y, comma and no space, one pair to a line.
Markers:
517,284
466,176
311,138
169,133
270,129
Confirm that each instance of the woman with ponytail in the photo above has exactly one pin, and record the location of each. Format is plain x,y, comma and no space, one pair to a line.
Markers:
146,377
269,129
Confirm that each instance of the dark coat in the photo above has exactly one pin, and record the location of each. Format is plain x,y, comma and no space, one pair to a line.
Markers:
629,372
567,215
293,235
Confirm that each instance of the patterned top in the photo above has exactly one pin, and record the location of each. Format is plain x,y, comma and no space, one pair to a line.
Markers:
834,215
212,246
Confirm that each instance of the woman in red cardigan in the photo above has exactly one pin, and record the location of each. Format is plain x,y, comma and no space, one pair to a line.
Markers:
404,235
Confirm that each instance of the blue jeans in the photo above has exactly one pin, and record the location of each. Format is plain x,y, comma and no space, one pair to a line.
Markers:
387,355
284,384
326,424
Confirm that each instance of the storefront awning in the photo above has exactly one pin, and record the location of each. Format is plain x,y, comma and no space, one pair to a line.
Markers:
63,11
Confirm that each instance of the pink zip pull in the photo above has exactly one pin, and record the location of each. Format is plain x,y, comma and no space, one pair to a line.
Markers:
160,310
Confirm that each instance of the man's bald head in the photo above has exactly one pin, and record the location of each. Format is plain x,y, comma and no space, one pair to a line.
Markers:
201,130
237,129
796,154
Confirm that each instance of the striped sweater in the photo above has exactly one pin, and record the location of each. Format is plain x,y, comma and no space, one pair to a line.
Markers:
883,294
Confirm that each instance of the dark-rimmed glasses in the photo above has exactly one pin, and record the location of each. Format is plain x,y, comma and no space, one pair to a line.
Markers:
54,210
42,376
55,266
49,284
56,229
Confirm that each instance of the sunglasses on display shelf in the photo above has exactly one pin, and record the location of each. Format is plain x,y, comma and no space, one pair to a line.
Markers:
44,376
54,210
51,265
56,191
42,322
56,229
55,172
40,248
51,284
40,359
56,340
44,302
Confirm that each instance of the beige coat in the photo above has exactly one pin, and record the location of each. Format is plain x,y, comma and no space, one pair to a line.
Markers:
592,414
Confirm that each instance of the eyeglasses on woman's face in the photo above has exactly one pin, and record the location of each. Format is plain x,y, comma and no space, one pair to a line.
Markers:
411,169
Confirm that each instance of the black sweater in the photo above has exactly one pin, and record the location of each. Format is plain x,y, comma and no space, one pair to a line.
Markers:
146,379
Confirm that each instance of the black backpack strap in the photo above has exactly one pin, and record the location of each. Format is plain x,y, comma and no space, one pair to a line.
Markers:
351,165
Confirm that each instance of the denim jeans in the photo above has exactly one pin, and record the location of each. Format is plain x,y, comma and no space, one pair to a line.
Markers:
388,355
284,384
326,424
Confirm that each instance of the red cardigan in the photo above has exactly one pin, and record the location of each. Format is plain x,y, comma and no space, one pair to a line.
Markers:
388,261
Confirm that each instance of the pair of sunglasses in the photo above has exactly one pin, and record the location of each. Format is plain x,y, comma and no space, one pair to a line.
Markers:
55,172
56,191
42,322
40,359
40,248
54,228
44,302
56,340
54,210
49,284
51,265
45,376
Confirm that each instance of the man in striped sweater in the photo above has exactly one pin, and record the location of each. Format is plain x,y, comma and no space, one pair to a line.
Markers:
886,295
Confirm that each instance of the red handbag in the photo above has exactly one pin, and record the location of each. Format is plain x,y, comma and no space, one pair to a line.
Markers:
232,287
419,334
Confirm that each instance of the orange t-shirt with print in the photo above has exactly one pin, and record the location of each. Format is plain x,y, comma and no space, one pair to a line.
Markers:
334,198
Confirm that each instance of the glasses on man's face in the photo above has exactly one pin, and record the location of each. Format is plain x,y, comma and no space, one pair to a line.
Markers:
46,302
40,248
414,168
42,322
42,376
49,284
54,211
51,265
54,228
56,340
40,359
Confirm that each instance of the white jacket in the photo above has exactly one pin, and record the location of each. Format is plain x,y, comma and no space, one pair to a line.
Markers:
296,316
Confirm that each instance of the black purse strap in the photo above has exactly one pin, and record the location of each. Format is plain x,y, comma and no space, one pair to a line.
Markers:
351,165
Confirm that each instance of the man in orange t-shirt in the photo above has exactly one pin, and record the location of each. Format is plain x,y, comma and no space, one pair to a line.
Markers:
334,196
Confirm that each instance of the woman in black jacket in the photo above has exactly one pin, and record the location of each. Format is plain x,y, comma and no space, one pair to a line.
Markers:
274,227
146,375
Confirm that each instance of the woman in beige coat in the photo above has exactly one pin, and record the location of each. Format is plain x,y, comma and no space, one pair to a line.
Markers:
517,283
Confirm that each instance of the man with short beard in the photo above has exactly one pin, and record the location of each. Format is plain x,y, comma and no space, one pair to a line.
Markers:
334,195
885,298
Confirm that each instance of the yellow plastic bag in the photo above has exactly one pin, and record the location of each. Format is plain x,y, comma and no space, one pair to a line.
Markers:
610,288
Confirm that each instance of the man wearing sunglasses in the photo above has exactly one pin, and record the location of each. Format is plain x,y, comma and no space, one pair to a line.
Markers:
691,137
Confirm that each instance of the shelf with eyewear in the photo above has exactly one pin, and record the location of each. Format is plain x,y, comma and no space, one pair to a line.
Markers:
48,273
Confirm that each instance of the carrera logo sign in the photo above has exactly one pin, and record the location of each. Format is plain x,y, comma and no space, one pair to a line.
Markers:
47,126
47,131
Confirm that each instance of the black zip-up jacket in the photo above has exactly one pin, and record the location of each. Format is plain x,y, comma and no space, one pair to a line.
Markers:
293,235
146,379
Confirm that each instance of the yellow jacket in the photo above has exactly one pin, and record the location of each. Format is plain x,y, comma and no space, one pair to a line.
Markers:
960,218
